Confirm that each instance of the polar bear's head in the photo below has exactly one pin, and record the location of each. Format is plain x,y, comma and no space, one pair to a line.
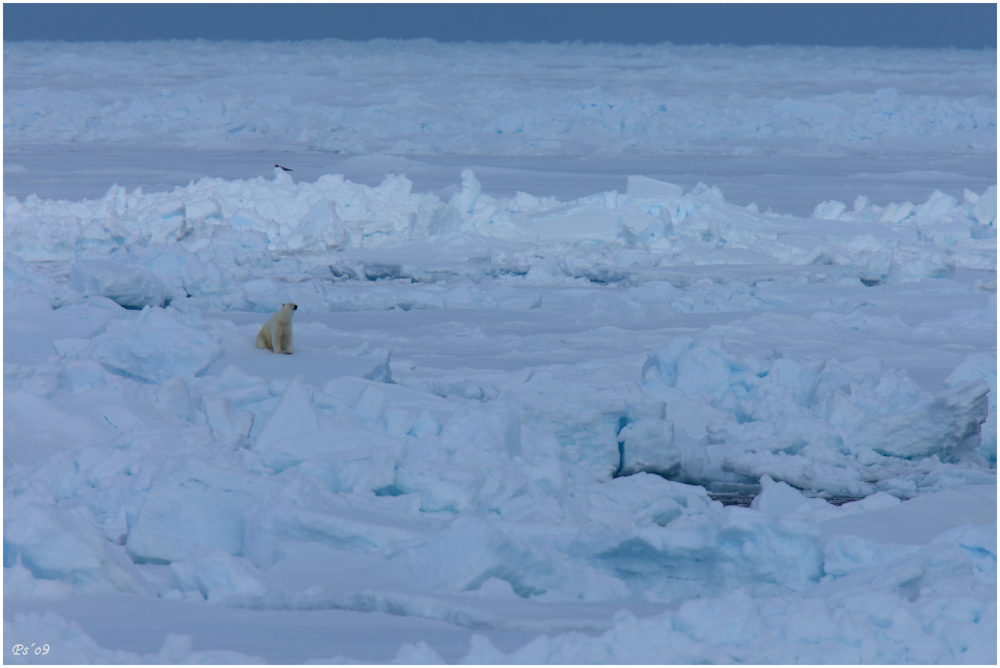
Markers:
285,314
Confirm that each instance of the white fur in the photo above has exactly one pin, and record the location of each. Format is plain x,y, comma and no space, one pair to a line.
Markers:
276,333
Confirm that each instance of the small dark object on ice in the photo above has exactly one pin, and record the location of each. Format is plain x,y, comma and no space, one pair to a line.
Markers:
283,167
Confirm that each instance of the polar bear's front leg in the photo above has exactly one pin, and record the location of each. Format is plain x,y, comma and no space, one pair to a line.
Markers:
275,336
286,340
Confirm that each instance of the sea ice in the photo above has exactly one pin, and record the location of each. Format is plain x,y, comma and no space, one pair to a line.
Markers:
154,347
510,416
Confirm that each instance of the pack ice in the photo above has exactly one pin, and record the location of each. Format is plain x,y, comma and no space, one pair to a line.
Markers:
515,416
158,435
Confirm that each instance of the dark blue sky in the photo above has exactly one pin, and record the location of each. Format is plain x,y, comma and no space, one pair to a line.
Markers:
907,25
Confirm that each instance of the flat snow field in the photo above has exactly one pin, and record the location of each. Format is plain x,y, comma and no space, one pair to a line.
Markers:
602,354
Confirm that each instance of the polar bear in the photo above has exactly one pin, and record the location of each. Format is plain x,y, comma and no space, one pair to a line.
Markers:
276,333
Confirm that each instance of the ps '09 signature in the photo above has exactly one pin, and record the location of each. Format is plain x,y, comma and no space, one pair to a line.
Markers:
24,650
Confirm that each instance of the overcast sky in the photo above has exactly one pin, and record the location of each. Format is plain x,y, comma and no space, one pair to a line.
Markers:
907,25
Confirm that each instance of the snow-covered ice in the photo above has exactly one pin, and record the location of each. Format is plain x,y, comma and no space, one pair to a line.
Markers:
521,421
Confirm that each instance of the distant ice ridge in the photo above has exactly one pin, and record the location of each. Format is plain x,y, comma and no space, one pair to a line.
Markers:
250,245
495,99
